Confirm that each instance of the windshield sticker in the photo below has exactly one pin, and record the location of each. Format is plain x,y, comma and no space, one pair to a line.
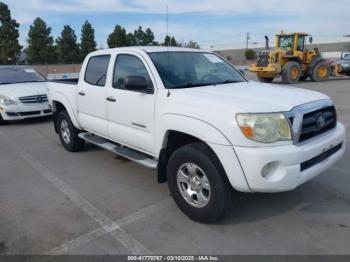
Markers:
29,70
213,58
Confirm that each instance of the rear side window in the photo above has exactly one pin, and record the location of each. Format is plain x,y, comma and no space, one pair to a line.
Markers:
96,70
129,65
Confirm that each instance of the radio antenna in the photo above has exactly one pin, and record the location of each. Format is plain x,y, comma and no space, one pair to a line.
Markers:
167,25
169,43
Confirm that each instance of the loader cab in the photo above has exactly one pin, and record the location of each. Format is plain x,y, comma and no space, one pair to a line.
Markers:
292,42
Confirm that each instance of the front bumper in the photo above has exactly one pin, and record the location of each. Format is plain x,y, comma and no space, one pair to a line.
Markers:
269,70
285,170
24,111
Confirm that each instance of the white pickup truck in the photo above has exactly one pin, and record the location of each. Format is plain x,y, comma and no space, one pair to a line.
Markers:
197,120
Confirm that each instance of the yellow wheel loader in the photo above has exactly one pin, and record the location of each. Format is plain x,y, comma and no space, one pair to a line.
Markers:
291,60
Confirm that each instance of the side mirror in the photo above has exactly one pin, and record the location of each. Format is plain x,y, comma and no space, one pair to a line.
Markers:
311,40
137,83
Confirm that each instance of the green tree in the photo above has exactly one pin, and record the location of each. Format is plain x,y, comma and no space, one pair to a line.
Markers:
118,38
9,46
148,37
192,44
67,47
87,41
130,40
250,54
170,41
40,44
139,36
173,42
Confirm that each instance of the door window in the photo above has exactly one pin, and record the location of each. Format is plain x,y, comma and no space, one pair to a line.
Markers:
96,70
129,65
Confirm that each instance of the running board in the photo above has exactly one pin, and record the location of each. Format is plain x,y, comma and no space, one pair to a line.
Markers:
123,151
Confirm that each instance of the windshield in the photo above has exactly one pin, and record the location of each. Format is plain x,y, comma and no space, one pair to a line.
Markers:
193,69
286,41
19,75
346,56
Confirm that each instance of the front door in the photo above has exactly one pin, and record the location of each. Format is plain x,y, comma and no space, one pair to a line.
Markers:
131,113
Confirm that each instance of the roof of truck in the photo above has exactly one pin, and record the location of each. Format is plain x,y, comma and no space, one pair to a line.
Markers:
150,49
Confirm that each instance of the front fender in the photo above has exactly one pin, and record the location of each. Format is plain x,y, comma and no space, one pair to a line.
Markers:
213,137
191,126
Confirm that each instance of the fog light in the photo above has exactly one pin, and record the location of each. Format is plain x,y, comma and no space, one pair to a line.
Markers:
266,170
273,171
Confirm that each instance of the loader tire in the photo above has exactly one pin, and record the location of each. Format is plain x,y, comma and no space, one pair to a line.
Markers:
321,72
266,79
291,72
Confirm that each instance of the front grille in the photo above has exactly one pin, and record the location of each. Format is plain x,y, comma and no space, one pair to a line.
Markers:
33,99
263,60
318,122
320,158
31,113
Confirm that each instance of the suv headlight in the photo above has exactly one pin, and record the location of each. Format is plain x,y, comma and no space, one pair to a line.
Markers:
6,100
265,128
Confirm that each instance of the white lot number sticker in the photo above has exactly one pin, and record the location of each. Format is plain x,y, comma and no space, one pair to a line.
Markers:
213,58
29,70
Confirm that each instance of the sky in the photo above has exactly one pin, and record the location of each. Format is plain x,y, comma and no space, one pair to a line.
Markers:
219,24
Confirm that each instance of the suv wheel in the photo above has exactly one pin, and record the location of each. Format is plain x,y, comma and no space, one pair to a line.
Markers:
68,133
198,183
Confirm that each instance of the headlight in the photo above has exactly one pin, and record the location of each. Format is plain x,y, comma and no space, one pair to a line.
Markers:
6,100
265,128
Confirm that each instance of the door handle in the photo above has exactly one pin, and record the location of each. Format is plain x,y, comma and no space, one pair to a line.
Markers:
81,93
111,99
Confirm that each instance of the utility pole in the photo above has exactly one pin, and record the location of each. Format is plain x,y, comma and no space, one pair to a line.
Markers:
167,25
247,43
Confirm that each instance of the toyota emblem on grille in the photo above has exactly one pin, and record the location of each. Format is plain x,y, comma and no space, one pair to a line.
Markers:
39,99
321,122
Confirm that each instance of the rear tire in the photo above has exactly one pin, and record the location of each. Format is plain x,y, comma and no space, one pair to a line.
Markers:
291,72
321,72
266,79
68,133
198,183
2,121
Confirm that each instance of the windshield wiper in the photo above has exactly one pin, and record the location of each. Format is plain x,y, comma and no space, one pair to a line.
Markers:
227,82
22,82
189,85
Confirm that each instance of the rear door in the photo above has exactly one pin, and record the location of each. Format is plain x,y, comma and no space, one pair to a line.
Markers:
91,97
131,113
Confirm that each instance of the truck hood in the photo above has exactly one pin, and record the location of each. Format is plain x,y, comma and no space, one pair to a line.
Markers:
14,91
252,96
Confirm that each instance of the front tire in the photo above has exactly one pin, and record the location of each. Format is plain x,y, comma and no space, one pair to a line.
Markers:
321,72
68,133
198,183
266,79
2,121
291,72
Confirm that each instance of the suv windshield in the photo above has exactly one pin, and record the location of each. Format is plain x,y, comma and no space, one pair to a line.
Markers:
193,69
19,75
